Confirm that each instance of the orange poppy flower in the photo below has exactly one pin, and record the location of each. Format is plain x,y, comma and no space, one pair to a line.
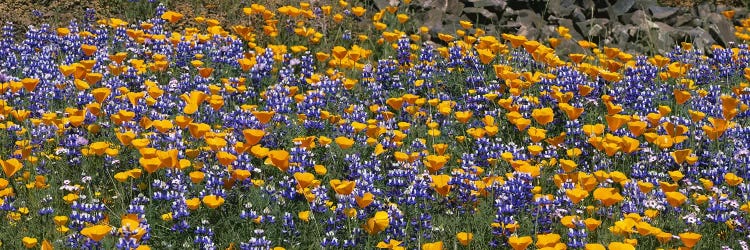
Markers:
536,134
98,148
433,246
162,125
193,101
304,179
264,116
593,130
543,116
681,96
620,246
547,240
520,243
343,187
608,196
197,176
226,158
241,174
279,158
675,199
679,156
253,136
434,162
690,239
171,16
11,167
364,200
717,129
97,232
377,223
151,165
576,195
440,184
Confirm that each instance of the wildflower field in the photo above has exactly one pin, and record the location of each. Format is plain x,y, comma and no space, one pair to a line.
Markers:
316,126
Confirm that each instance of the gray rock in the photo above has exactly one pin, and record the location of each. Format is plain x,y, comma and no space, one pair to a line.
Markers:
700,38
561,8
548,31
578,14
530,32
659,12
530,17
510,12
721,29
686,19
434,19
592,27
494,4
481,11
587,4
644,4
570,25
627,18
621,7
567,47
704,9
638,17
454,6
679,35
661,41
663,27
620,33
527,23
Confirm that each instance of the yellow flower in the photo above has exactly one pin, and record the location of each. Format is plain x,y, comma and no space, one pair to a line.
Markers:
433,246
213,201
344,142
166,216
29,242
519,243
732,179
392,244
402,18
358,11
464,238
193,203
304,216
45,245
